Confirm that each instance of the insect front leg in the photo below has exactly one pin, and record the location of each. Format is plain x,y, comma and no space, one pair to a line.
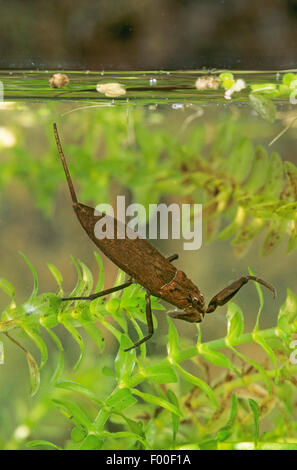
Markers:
149,319
226,294
172,257
102,293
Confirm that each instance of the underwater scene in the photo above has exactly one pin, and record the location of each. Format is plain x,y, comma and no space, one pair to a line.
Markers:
203,166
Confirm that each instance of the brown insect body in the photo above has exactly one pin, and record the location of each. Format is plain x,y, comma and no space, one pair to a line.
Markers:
143,262
147,266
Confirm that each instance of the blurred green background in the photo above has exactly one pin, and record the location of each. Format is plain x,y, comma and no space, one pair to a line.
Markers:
111,151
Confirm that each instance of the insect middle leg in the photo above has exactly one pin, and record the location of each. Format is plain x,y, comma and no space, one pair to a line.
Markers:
102,293
149,319
226,294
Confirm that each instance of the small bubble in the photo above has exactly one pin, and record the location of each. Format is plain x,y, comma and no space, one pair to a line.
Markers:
153,82
177,106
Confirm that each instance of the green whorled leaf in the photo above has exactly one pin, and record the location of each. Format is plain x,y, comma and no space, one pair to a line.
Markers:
292,243
256,412
199,383
288,211
78,388
42,443
258,367
235,322
258,338
264,87
60,363
120,279
34,334
9,325
226,430
269,351
156,304
175,418
217,358
35,278
225,139
108,371
263,106
290,191
7,287
120,400
47,306
56,274
234,227
134,426
78,289
74,412
100,282
113,305
274,181
240,160
288,78
259,170
173,339
77,337
116,333
218,204
246,235
264,210
94,332
123,435
206,181
261,301
87,278
125,360
288,314
161,373
158,401
78,434
91,442
275,234
34,373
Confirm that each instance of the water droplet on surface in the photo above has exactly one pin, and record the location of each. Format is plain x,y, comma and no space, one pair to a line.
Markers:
153,81
177,106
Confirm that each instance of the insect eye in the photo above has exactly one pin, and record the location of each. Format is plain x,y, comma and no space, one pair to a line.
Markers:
194,301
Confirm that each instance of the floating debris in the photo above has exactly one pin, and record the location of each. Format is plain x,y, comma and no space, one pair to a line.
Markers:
207,83
111,90
238,86
58,80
